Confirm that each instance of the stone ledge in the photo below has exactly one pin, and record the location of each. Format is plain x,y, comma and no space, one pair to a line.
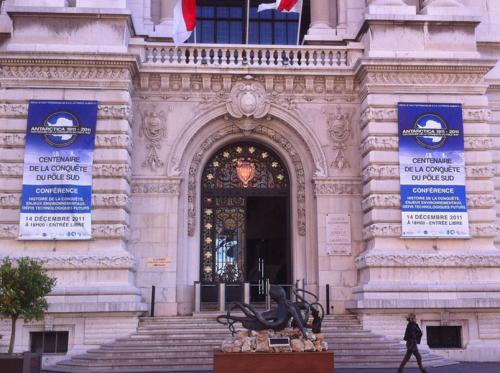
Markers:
438,288
477,303
97,307
474,260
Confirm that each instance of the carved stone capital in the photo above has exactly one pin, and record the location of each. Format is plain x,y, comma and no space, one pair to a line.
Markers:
248,99
380,143
379,172
156,186
382,230
108,111
480,172
381,201
118,170
13,140
481,201
327,187
478,143
13,110
476,115
9,230
379,115
11,169
110,231
113,141
484,230
10,200
110,201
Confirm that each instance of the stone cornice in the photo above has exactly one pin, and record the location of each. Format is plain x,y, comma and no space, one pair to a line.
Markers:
52,262
372,231
381,65
103,231
391,200
487,259
57,69
385,75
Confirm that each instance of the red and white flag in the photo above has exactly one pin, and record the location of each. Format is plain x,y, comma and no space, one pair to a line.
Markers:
184,20
282,6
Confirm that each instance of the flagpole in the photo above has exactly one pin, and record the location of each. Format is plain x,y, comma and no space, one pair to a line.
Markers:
300,21
248,22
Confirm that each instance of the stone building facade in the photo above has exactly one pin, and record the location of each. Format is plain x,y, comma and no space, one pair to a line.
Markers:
328,111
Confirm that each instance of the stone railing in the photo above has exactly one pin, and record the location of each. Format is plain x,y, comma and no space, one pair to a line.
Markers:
250,56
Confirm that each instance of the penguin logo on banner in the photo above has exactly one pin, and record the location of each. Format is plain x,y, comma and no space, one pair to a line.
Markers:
430,131
60,129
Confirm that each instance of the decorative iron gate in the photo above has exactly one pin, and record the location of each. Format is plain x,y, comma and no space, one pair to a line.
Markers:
233,175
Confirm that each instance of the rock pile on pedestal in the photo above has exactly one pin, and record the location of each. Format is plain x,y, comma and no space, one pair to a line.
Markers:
258,341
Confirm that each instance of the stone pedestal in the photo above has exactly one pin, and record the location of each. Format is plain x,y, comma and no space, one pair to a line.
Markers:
277,362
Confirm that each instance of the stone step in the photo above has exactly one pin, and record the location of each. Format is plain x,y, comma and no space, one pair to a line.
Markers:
186,344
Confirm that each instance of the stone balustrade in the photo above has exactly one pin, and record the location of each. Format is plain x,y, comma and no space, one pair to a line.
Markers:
255,56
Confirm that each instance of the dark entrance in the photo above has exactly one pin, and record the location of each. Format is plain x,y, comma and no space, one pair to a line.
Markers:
244,221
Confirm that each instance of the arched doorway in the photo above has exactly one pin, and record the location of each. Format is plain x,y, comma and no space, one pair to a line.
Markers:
245,220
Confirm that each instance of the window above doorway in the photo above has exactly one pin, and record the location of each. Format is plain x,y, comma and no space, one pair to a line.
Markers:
238,22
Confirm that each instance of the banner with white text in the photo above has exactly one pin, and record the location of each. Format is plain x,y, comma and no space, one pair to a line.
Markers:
432,171
57,179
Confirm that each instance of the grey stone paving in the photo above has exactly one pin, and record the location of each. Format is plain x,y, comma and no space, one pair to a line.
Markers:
457,368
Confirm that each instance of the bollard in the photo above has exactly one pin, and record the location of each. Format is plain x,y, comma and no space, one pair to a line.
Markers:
327,299
197,296
246,292
153,293
222,297
268,296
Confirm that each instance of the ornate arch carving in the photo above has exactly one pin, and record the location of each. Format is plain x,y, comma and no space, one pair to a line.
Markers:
281,142
288,118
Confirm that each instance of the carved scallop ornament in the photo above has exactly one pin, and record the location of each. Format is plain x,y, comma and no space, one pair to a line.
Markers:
248,99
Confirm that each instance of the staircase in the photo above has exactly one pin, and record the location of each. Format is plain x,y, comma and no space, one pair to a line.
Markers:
172,344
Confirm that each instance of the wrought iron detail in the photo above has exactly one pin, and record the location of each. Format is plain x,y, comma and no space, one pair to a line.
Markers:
223,203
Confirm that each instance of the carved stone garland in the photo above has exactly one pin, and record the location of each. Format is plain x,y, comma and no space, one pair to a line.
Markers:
154,131
261,130
340,132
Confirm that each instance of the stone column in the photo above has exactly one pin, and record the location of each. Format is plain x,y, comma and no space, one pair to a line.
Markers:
390,7
167,10
320,29
444,7
342,15
320,14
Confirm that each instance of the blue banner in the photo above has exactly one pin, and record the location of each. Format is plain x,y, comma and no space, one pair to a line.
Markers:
432,170
57,179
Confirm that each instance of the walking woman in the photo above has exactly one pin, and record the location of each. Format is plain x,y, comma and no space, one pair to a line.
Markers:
413,335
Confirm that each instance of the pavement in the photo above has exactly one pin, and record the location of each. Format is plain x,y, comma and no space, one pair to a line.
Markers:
456,368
